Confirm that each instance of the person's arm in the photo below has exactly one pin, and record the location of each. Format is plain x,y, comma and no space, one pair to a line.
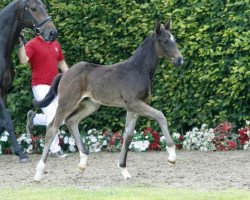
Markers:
23,58
63,66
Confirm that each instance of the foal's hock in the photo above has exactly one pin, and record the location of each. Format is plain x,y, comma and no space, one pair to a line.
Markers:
86,86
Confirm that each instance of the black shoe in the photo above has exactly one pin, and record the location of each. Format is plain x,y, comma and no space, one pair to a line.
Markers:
30,124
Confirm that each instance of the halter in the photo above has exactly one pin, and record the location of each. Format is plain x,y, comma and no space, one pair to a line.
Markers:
36,26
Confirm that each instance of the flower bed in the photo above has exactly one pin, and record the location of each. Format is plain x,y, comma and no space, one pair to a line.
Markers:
221,138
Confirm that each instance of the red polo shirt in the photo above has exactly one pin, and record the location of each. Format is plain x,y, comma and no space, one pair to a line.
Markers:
43,58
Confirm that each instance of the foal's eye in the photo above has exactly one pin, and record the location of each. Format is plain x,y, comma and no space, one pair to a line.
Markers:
34,9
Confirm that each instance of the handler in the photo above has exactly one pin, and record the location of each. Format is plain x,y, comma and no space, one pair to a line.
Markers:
44,58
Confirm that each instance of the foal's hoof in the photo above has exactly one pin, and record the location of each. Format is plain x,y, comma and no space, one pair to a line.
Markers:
37,179
126,175
82,167
24,160
82,170
171,162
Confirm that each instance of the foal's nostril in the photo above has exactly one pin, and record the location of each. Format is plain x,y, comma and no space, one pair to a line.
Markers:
180,61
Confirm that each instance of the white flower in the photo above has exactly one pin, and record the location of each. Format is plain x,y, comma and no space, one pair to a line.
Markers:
29,149
195,129
248,122
247,145
139,145
176,135
162,138
203,126
66,140
62,132
72,148
105,143
199,139
28,140
42,144
91,130
4,138
92,138
248,133
99,136
72,141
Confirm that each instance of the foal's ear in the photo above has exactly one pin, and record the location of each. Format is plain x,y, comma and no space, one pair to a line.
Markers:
168,25
157,27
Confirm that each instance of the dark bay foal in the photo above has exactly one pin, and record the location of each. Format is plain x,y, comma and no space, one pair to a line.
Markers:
86,86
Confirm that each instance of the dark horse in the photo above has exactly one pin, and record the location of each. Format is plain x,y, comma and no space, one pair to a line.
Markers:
17,15
126,84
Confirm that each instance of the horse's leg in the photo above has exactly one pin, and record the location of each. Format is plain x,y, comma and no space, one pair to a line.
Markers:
131,119
8,125
145,110
66,104
85,109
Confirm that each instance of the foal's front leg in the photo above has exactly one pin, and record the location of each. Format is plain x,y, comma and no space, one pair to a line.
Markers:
145,110
128,136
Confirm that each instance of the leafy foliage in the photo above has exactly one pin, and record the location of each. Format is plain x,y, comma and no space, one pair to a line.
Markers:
213,36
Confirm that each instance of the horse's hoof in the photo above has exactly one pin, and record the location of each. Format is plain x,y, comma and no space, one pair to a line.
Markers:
82,169
171,162
24,160
37,179
126,175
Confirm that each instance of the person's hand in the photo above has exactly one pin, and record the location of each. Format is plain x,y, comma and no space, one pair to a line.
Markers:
22,40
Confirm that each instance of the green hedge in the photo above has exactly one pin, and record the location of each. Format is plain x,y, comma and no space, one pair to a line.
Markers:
213,36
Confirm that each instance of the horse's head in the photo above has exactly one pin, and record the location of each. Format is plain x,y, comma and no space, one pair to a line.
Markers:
166,44
34,15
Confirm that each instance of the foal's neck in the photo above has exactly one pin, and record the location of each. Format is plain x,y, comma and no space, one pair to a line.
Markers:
145,57
10,27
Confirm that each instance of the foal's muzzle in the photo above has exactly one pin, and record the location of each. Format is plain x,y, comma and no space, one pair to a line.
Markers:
178,61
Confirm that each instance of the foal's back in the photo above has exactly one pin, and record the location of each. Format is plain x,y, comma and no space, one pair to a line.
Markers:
112,85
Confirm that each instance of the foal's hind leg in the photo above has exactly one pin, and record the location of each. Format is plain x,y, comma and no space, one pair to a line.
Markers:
85,108
145,110
65,107
127,136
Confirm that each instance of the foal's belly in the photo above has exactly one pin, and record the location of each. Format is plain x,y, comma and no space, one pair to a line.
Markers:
111,101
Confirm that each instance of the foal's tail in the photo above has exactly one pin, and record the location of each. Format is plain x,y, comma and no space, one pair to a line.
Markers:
50,95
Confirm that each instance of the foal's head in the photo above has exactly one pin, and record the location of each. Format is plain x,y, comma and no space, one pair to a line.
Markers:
33,15
166,44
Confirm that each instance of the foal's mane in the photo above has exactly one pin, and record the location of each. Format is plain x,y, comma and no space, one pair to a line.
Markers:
140,51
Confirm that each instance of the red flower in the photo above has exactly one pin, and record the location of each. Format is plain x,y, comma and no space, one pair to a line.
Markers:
147,130
226,126
232,144
105,133
7,150
243,135
181,137
155,144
